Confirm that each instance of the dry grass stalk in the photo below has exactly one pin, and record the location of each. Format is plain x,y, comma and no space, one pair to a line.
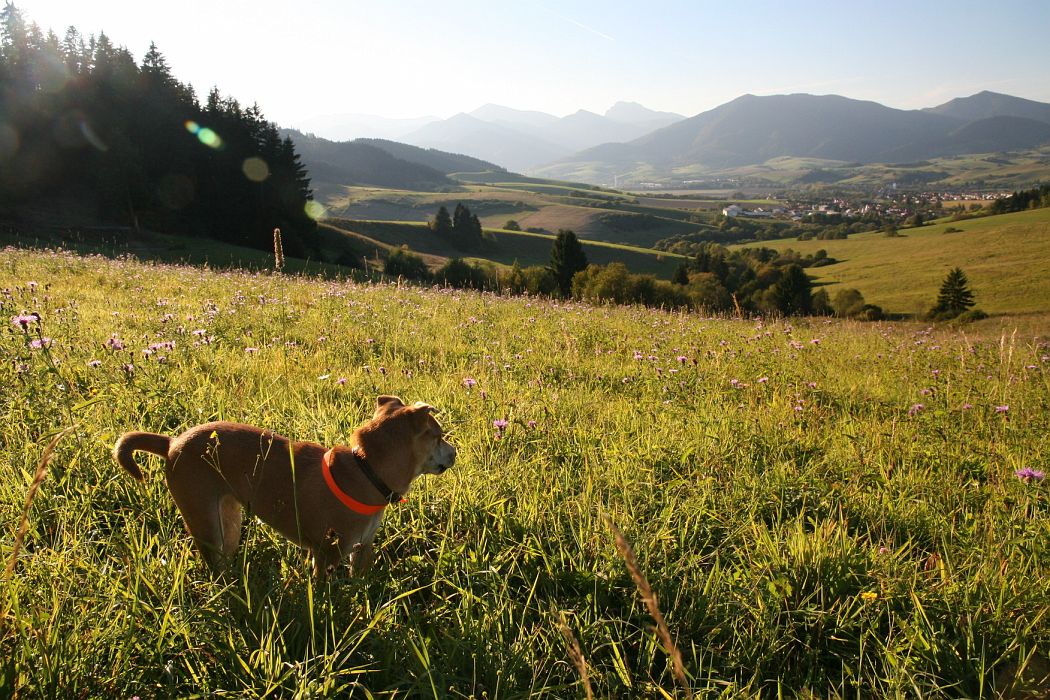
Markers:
23,525
649,598
575,654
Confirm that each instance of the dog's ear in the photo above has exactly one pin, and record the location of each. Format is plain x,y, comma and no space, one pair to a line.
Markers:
388,404
423,407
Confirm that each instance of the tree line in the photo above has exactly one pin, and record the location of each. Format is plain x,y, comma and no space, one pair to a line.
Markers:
81,121
1035,198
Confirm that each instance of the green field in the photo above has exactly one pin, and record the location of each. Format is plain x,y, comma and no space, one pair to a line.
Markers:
505,247
1006,257
549,206
823,508
1014,170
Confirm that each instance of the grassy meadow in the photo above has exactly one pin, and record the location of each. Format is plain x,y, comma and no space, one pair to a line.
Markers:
822,508
1005,257
505,247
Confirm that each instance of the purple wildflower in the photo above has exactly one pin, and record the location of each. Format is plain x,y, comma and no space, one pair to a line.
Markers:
1002,409
251,351
531,424
470,382
94,363
763,380
681,359
114,343
967,406
40,343
500,423
341,381
916,408
23,320
1028,475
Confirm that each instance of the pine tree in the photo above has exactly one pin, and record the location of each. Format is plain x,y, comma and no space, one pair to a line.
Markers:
791,295
681,275
441,224
461,232
954,297
567,258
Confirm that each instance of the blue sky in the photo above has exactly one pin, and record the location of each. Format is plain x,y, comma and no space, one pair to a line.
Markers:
404,58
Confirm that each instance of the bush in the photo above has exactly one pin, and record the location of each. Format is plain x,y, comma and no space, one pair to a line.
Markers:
402,263
512,225
970,316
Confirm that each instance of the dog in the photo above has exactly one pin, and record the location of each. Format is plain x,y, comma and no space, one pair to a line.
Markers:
329,501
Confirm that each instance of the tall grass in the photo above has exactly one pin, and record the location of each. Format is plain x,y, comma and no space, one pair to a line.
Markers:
806,529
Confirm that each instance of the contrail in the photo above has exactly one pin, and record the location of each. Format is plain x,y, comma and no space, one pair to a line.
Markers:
581,25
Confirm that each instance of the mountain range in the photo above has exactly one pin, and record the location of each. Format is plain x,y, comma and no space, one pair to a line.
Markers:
633,143
514,138
752,130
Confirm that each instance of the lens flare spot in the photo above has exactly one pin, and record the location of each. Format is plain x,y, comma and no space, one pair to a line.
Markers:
255,169
209,138
315,210
205,135
91,137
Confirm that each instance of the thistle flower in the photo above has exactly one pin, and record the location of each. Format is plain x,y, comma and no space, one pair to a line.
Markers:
916,408
278,250
1028,475
40,343
1002,409
470,383
22,321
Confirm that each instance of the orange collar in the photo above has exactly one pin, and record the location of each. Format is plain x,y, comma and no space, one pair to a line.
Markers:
345,498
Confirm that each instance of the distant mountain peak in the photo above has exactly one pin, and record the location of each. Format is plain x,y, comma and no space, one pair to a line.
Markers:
635,113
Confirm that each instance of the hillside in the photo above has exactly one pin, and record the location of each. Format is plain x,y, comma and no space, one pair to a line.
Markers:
987,104
1006,257
856,508
545,205
441,161
752,130
504,247
362,163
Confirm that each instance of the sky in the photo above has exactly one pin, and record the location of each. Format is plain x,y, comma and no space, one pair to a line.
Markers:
409,58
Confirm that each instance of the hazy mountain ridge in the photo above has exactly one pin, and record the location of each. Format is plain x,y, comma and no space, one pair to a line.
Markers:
752,130
521,139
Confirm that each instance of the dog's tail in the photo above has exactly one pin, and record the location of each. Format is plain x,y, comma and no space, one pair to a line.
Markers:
135,442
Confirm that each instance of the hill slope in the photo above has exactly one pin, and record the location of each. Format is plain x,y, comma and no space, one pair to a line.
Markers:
360,163
992,104
1007,259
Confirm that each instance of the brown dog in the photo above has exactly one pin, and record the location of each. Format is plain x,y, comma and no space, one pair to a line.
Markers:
328,501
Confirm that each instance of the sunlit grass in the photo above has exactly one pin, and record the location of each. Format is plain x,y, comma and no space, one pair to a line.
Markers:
805,529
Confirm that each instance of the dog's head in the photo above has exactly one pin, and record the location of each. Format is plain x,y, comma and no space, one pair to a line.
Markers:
417,431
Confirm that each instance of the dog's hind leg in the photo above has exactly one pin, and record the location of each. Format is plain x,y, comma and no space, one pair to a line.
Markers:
211,513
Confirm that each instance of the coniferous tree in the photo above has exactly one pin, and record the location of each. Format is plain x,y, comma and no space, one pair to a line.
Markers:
792,293
681,275
461,229
134,144
954,296
441,224
567,258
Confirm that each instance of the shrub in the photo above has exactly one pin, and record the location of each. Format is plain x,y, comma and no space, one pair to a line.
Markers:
402,263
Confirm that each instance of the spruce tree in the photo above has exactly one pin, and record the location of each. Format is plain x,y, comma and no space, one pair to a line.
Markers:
681,275
954,297
567,258
441,224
